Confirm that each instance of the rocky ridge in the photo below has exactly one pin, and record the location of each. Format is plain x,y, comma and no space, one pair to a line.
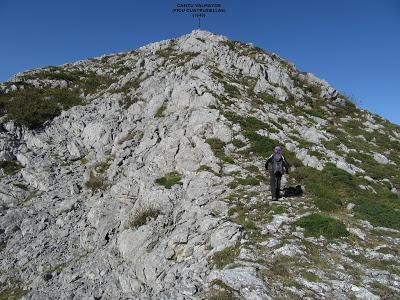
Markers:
146,180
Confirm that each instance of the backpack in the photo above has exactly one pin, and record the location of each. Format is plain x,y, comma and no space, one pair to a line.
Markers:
277,165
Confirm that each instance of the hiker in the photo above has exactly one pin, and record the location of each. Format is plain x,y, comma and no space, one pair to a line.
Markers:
276,164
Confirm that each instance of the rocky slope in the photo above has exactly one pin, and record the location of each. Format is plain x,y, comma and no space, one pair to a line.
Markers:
140,175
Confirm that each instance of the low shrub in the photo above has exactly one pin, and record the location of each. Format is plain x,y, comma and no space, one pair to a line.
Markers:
96,183
12,293
160,111
260,145
142,216
33,107
224,257
244,181
328,187
316,225
10,167
238,143
169,180
217,146
378,213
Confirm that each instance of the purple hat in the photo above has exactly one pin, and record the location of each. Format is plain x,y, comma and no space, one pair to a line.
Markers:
277,150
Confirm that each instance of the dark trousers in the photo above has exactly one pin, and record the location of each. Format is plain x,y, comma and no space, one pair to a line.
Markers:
275,182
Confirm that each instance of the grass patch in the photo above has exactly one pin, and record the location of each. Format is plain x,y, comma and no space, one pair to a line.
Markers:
316,225
231,90
21,186
260,145
249,180
175,57
133,84
279,209
238,143
217,146
10,167
246,123
310,276
12,293
328,186
102,167
225,257
221,291
33,107
160,111
208,169
127,101
87,81
142,216
378,213
383,291
252,169
31,195
96,183
169,180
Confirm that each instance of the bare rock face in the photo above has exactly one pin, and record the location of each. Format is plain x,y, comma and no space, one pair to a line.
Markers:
152,185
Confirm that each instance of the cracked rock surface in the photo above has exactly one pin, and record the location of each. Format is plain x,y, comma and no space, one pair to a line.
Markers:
154,187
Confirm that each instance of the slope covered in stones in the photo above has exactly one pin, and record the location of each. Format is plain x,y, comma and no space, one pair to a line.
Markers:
140,175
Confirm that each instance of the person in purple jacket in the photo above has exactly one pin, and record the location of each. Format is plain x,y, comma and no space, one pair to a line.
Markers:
276,164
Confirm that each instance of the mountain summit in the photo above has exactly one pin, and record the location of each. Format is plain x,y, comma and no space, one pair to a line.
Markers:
140,175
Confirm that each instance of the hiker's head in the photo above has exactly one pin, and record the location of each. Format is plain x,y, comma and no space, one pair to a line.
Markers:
278,150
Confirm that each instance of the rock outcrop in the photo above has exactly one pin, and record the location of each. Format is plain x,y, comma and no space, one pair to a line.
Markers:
153,187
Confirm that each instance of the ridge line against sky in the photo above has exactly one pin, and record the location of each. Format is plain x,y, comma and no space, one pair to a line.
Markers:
353,45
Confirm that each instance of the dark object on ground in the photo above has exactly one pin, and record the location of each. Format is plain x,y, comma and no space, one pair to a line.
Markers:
293,191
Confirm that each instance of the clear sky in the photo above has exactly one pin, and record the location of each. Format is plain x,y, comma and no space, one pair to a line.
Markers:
353,44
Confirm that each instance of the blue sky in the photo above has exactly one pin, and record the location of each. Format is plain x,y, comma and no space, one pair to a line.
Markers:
353,44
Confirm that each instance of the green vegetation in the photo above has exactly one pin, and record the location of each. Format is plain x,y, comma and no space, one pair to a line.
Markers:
96,183
33,107
238,143
142,216
175,57
127,101
221,291
391,266
328,187
378,213
248,215
383,291
231,90
208,169
249,180
21,186
217,146
310,276
132,85
278,209
247,123
169,180
132,134
224,257
87,81
160,111
11,292
260,145
103,166
252,169
31,195
316,225
10,167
